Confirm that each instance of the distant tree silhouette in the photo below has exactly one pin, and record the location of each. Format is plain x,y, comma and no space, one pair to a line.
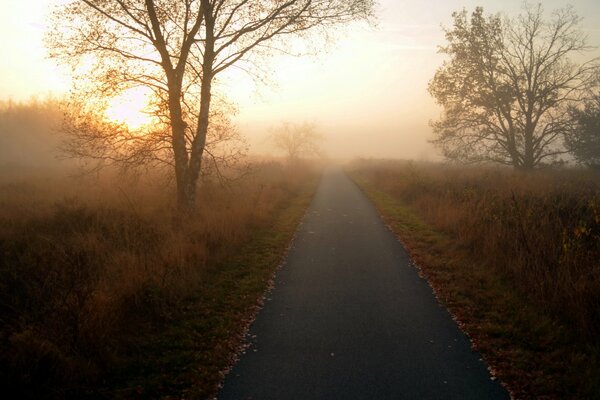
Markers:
177,48
297,140
507,87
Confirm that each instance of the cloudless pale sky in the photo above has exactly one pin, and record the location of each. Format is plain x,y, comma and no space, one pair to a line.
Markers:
366,92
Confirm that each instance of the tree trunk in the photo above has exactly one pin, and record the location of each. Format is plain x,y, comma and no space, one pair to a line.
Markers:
512,148
195,162
194,166
178,127
528,162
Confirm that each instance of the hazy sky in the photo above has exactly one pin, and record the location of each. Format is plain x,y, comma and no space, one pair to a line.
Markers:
366,92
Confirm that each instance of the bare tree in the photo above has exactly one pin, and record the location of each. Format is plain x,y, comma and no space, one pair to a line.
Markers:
177,48
507,86
297,140
88,136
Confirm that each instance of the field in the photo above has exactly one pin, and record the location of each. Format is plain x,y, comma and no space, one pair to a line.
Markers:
104,287
515,258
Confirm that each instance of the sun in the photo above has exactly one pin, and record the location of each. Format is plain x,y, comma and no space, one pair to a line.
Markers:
131,108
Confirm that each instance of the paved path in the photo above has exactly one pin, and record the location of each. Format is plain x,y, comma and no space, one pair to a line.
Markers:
349,318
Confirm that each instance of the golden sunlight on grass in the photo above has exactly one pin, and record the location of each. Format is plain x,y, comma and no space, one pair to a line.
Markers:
116,293
130,108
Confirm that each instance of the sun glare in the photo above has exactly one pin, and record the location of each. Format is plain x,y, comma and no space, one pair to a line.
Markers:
130,108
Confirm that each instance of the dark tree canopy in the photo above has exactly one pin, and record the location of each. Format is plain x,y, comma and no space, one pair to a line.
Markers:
507,86
584,140
177,48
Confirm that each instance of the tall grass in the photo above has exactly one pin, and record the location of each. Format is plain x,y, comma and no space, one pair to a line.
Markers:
86,264
540,229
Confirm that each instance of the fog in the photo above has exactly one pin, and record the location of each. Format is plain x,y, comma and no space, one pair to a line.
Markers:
366,89
194,194
29,135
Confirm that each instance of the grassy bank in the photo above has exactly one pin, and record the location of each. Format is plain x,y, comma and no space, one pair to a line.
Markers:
104,294
514,257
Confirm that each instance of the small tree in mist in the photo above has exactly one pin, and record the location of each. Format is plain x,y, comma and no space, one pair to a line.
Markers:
177,48
508,85
584,139
297,140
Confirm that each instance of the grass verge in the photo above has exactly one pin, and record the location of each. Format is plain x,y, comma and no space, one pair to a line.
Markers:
535,354
187,355
105,292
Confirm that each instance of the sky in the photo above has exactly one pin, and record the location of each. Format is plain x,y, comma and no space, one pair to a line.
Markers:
366,91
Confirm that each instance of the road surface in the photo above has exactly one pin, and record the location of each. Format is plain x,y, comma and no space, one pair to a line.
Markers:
349,318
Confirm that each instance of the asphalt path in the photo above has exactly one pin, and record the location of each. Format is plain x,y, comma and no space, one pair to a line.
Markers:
350,318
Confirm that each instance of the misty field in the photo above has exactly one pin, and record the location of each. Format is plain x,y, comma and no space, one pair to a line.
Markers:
93,267
481,232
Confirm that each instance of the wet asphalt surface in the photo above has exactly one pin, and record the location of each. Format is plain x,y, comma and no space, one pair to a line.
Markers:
349,318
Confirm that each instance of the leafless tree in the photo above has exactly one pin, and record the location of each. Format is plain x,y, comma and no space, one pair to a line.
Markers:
177,48
297,140
508,85
88,136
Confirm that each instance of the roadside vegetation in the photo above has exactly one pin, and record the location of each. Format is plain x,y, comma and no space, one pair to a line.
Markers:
107,291
513,255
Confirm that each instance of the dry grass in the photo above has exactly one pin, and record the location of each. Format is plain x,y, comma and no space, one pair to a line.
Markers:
541,228
86,264
513,256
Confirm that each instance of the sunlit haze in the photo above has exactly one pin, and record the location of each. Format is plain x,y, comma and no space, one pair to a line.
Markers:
300,199
130,107
366,91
